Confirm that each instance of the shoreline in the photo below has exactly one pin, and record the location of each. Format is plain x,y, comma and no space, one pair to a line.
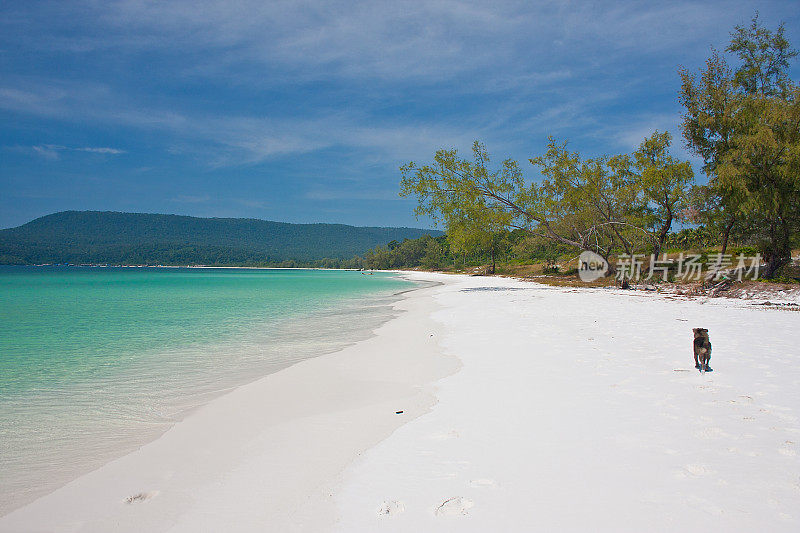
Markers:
306,398
53,434
532,408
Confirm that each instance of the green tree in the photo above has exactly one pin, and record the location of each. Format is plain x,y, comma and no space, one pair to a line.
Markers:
435,256
466,195
765,60
708,126
708,206
764,163
743,124
665,183
480,235
379,258
594,203
597,203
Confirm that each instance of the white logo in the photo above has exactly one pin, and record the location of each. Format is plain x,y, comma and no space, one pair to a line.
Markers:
591,266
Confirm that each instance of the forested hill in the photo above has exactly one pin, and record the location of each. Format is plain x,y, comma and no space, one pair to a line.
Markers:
137,238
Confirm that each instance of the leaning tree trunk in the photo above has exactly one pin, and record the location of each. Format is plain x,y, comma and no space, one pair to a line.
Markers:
726,233
662,235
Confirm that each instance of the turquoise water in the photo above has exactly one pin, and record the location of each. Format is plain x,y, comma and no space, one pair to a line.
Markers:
96,361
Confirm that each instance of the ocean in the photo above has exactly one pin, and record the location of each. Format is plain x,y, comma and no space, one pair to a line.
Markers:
94,362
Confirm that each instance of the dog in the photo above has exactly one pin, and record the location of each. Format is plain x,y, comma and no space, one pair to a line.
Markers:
702,350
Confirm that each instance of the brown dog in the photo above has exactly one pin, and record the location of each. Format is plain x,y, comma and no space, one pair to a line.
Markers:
702,349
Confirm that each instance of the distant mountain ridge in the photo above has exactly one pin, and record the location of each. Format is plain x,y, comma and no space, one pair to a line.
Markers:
139,238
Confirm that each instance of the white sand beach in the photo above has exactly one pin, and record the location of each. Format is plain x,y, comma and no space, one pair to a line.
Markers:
524,408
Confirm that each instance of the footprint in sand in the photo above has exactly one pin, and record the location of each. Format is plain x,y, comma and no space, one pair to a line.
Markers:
456,506
391,508
483,483
141,497
788,449
697,470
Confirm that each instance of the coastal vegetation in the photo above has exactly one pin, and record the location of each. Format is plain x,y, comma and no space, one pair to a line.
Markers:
81,237
518,253
743,120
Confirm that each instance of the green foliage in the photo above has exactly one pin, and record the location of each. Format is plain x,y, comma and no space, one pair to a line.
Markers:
764,164
435,256
130,238
608,204
745,123
438,253
765,59
596,203
665,183
534,249
691,239
747,251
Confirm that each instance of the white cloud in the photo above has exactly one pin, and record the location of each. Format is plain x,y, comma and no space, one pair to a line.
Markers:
100,150
52,151
47,151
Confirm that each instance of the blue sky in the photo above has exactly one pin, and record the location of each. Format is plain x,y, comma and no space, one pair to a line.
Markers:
303,111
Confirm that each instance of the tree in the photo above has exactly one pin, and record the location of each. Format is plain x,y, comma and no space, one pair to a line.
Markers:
664,181
595,202
467,195
379,258
475,203
764,163
435,255
707,207
708,126
590,204
765,59
477,235
743,124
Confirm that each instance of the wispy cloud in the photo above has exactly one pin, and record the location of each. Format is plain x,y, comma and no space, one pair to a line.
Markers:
47,151
100,150
429,41
53,151
236,140
521,68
